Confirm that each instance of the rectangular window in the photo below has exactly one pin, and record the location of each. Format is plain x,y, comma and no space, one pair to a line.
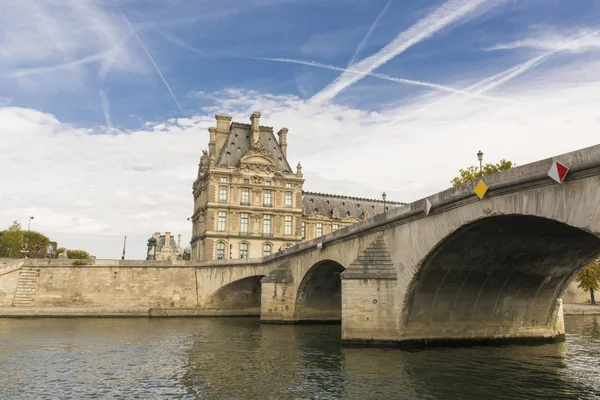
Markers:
244,222
223,180
288,225
319,229
221,221
288,199
246,181
243,250
222,193
288,185
245,196
220,251
267,183
266,223
335,227
267,197
304,230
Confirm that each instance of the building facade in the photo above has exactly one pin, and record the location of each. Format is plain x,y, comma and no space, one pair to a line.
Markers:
248,202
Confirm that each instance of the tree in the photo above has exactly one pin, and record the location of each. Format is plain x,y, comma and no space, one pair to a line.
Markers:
78,254
589,279
472,172
12,241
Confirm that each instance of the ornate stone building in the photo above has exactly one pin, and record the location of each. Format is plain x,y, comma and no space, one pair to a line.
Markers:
166,248
248,202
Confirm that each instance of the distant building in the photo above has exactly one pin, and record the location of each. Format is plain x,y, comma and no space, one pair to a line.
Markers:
167,248
248,202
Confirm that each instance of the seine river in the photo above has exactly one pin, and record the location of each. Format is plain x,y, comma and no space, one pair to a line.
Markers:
237,358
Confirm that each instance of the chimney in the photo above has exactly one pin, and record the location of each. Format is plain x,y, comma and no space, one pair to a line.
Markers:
283,140
179,243
157,237
212,142
167,240
221,133
255,118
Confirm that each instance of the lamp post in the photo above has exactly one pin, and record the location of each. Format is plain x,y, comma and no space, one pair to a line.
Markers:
384,196
124,246
27,238
480,158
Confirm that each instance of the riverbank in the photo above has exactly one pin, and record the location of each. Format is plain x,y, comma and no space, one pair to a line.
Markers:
106,312
581,309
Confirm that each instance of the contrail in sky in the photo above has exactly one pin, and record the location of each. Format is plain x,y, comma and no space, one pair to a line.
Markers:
448,13
380,76
150,57
500,78
371,29
105,107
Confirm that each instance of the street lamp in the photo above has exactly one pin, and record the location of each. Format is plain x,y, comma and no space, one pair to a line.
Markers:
151,249
27,239
384,197
480,158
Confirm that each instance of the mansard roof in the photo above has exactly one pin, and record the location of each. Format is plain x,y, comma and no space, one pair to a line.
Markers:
161,243
239,142
341,207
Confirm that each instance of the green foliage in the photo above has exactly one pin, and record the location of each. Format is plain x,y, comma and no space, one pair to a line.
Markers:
14,240
589,278
472,172
79,262
78,254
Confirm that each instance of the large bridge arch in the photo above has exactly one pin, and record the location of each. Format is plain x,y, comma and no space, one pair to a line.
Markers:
243,294
319,296
498,276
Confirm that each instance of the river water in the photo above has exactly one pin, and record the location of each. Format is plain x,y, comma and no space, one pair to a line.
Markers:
238,358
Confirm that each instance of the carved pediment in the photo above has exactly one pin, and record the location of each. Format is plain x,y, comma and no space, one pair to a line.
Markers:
318,215
350,220
257,159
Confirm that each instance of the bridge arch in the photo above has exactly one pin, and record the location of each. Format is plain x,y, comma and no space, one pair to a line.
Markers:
242,294
319,296
496,277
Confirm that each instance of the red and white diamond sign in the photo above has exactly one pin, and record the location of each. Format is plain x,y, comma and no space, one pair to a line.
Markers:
558,171
427,206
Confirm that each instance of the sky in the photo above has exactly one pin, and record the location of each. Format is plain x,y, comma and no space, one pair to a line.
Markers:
105,104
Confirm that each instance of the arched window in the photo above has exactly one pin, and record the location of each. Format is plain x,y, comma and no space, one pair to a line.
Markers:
243,250
220,250
266,249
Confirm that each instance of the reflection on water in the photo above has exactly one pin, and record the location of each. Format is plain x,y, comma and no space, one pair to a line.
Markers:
237,358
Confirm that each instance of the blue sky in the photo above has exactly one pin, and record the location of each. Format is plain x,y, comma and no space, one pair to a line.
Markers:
104,104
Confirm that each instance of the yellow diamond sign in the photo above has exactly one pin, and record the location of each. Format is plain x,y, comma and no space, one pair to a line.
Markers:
480,189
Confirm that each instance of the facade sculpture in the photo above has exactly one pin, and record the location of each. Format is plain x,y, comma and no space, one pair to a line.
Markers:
248,202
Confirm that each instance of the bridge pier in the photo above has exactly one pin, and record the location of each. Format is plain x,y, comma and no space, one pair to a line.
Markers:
278,296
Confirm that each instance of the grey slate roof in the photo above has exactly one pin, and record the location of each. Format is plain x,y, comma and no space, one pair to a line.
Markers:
341,207
239,142
161,243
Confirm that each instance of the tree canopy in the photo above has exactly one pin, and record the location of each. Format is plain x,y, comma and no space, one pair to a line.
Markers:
472,172
589,279
16,243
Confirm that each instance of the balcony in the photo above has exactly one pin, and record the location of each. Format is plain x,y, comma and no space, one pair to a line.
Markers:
267,204
266,235
244,203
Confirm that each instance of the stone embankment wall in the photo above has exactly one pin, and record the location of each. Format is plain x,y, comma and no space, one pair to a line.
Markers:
117,284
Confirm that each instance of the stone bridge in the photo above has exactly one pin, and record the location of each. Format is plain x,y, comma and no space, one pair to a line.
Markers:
490,268
493,268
